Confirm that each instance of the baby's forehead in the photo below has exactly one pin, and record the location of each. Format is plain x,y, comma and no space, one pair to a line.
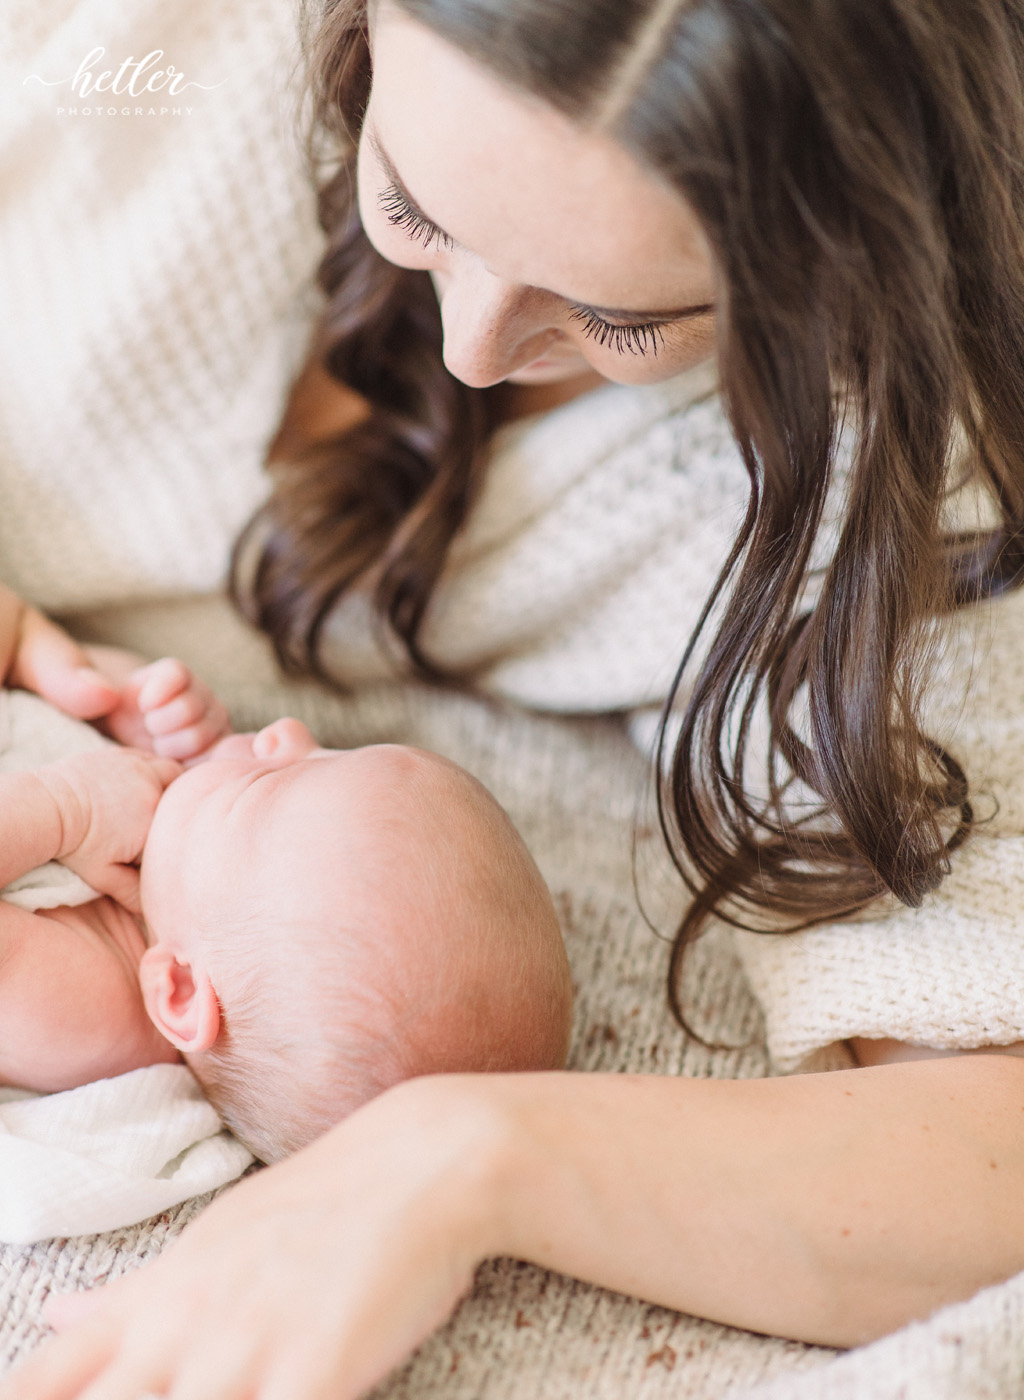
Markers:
372,780
363,800
403,766
411,794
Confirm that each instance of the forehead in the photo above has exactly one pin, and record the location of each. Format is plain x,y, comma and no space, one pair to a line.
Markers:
255,811
542,201
236,836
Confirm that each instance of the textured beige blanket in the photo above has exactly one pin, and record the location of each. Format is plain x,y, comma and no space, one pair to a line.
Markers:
573,788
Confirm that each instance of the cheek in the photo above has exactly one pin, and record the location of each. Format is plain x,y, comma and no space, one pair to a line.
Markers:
234,746
699,341
682,349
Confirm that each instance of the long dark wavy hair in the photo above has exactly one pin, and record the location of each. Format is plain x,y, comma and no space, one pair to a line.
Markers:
858,169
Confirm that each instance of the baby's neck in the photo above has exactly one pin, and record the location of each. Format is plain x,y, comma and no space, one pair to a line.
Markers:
112,922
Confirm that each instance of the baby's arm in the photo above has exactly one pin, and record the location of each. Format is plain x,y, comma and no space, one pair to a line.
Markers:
92,812
39,656
160,706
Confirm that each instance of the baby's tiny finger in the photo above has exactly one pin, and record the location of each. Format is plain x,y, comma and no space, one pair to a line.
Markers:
161,681
180,713
186,744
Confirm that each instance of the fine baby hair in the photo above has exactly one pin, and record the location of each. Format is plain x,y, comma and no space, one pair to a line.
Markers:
397,927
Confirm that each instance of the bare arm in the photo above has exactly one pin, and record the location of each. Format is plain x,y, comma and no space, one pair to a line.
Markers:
832,1208
92,811
161,707
31,825
826,1207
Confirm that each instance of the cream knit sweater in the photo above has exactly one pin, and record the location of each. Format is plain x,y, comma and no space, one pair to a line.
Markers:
155,261
951,973
155,265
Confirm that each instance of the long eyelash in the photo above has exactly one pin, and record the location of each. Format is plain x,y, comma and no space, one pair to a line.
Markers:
398,211
633,340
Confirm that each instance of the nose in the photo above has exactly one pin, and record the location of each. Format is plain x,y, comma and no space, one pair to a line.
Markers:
286,740
491,328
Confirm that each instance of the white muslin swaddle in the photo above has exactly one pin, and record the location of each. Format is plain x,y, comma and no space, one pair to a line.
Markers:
119,1150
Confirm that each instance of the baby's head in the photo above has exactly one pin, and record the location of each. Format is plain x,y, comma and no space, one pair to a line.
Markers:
324,924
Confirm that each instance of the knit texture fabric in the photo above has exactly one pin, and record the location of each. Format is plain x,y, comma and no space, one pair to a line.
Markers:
572,786
586,560
154,290
154,303
951,972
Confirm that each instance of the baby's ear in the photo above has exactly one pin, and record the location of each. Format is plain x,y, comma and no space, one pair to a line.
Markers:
180,1000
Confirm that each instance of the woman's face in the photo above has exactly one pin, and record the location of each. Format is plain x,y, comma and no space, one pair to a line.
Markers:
554,254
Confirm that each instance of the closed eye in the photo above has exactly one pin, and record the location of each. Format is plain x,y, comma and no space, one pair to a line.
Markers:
634,340
397,209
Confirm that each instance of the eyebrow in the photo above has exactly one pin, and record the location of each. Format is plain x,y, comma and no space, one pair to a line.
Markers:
616,313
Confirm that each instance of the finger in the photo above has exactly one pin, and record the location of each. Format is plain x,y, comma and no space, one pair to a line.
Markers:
124,1383
161,681
222,1365
215,725
61,1366
121,882
65,1310
181,712
189,743
313,1378
52,664
129,1378
117,1358
139,1358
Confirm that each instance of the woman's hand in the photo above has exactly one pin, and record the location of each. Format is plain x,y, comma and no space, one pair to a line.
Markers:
308,1281
815,1207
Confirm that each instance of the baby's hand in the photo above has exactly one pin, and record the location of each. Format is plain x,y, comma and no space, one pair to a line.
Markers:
38,655
105,801
167,709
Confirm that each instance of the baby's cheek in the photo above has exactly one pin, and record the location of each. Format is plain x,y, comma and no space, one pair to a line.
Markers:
234,746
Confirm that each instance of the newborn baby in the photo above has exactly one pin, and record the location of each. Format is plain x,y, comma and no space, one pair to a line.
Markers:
324,924
313,926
